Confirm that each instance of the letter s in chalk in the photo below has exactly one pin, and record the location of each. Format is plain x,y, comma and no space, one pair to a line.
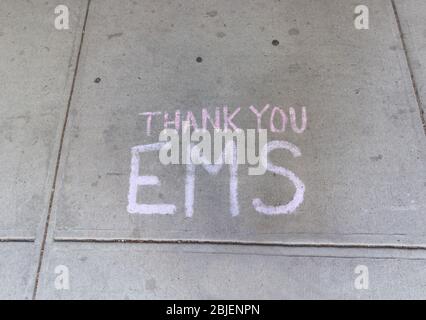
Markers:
300,187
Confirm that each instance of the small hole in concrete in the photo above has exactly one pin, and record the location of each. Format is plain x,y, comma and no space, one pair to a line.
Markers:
199,59
275,42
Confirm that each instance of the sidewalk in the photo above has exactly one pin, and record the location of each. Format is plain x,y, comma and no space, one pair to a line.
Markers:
75,102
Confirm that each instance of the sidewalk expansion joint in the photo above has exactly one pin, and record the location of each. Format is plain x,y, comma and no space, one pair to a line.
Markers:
58,159
410,67
245,243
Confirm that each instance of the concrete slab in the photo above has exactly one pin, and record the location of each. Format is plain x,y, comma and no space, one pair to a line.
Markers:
36,68
134,271
16,270
413,25
362,154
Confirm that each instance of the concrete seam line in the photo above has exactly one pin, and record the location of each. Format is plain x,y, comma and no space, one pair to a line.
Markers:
58,159
242,243
410,68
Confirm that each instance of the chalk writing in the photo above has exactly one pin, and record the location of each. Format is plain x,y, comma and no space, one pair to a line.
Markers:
278,120
137,181
224,118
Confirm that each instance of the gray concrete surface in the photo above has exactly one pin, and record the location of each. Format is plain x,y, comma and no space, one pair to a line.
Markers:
127,271
17,270
413,27
362,154
37,66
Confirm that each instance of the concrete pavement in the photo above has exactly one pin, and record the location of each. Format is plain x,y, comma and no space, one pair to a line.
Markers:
76,103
